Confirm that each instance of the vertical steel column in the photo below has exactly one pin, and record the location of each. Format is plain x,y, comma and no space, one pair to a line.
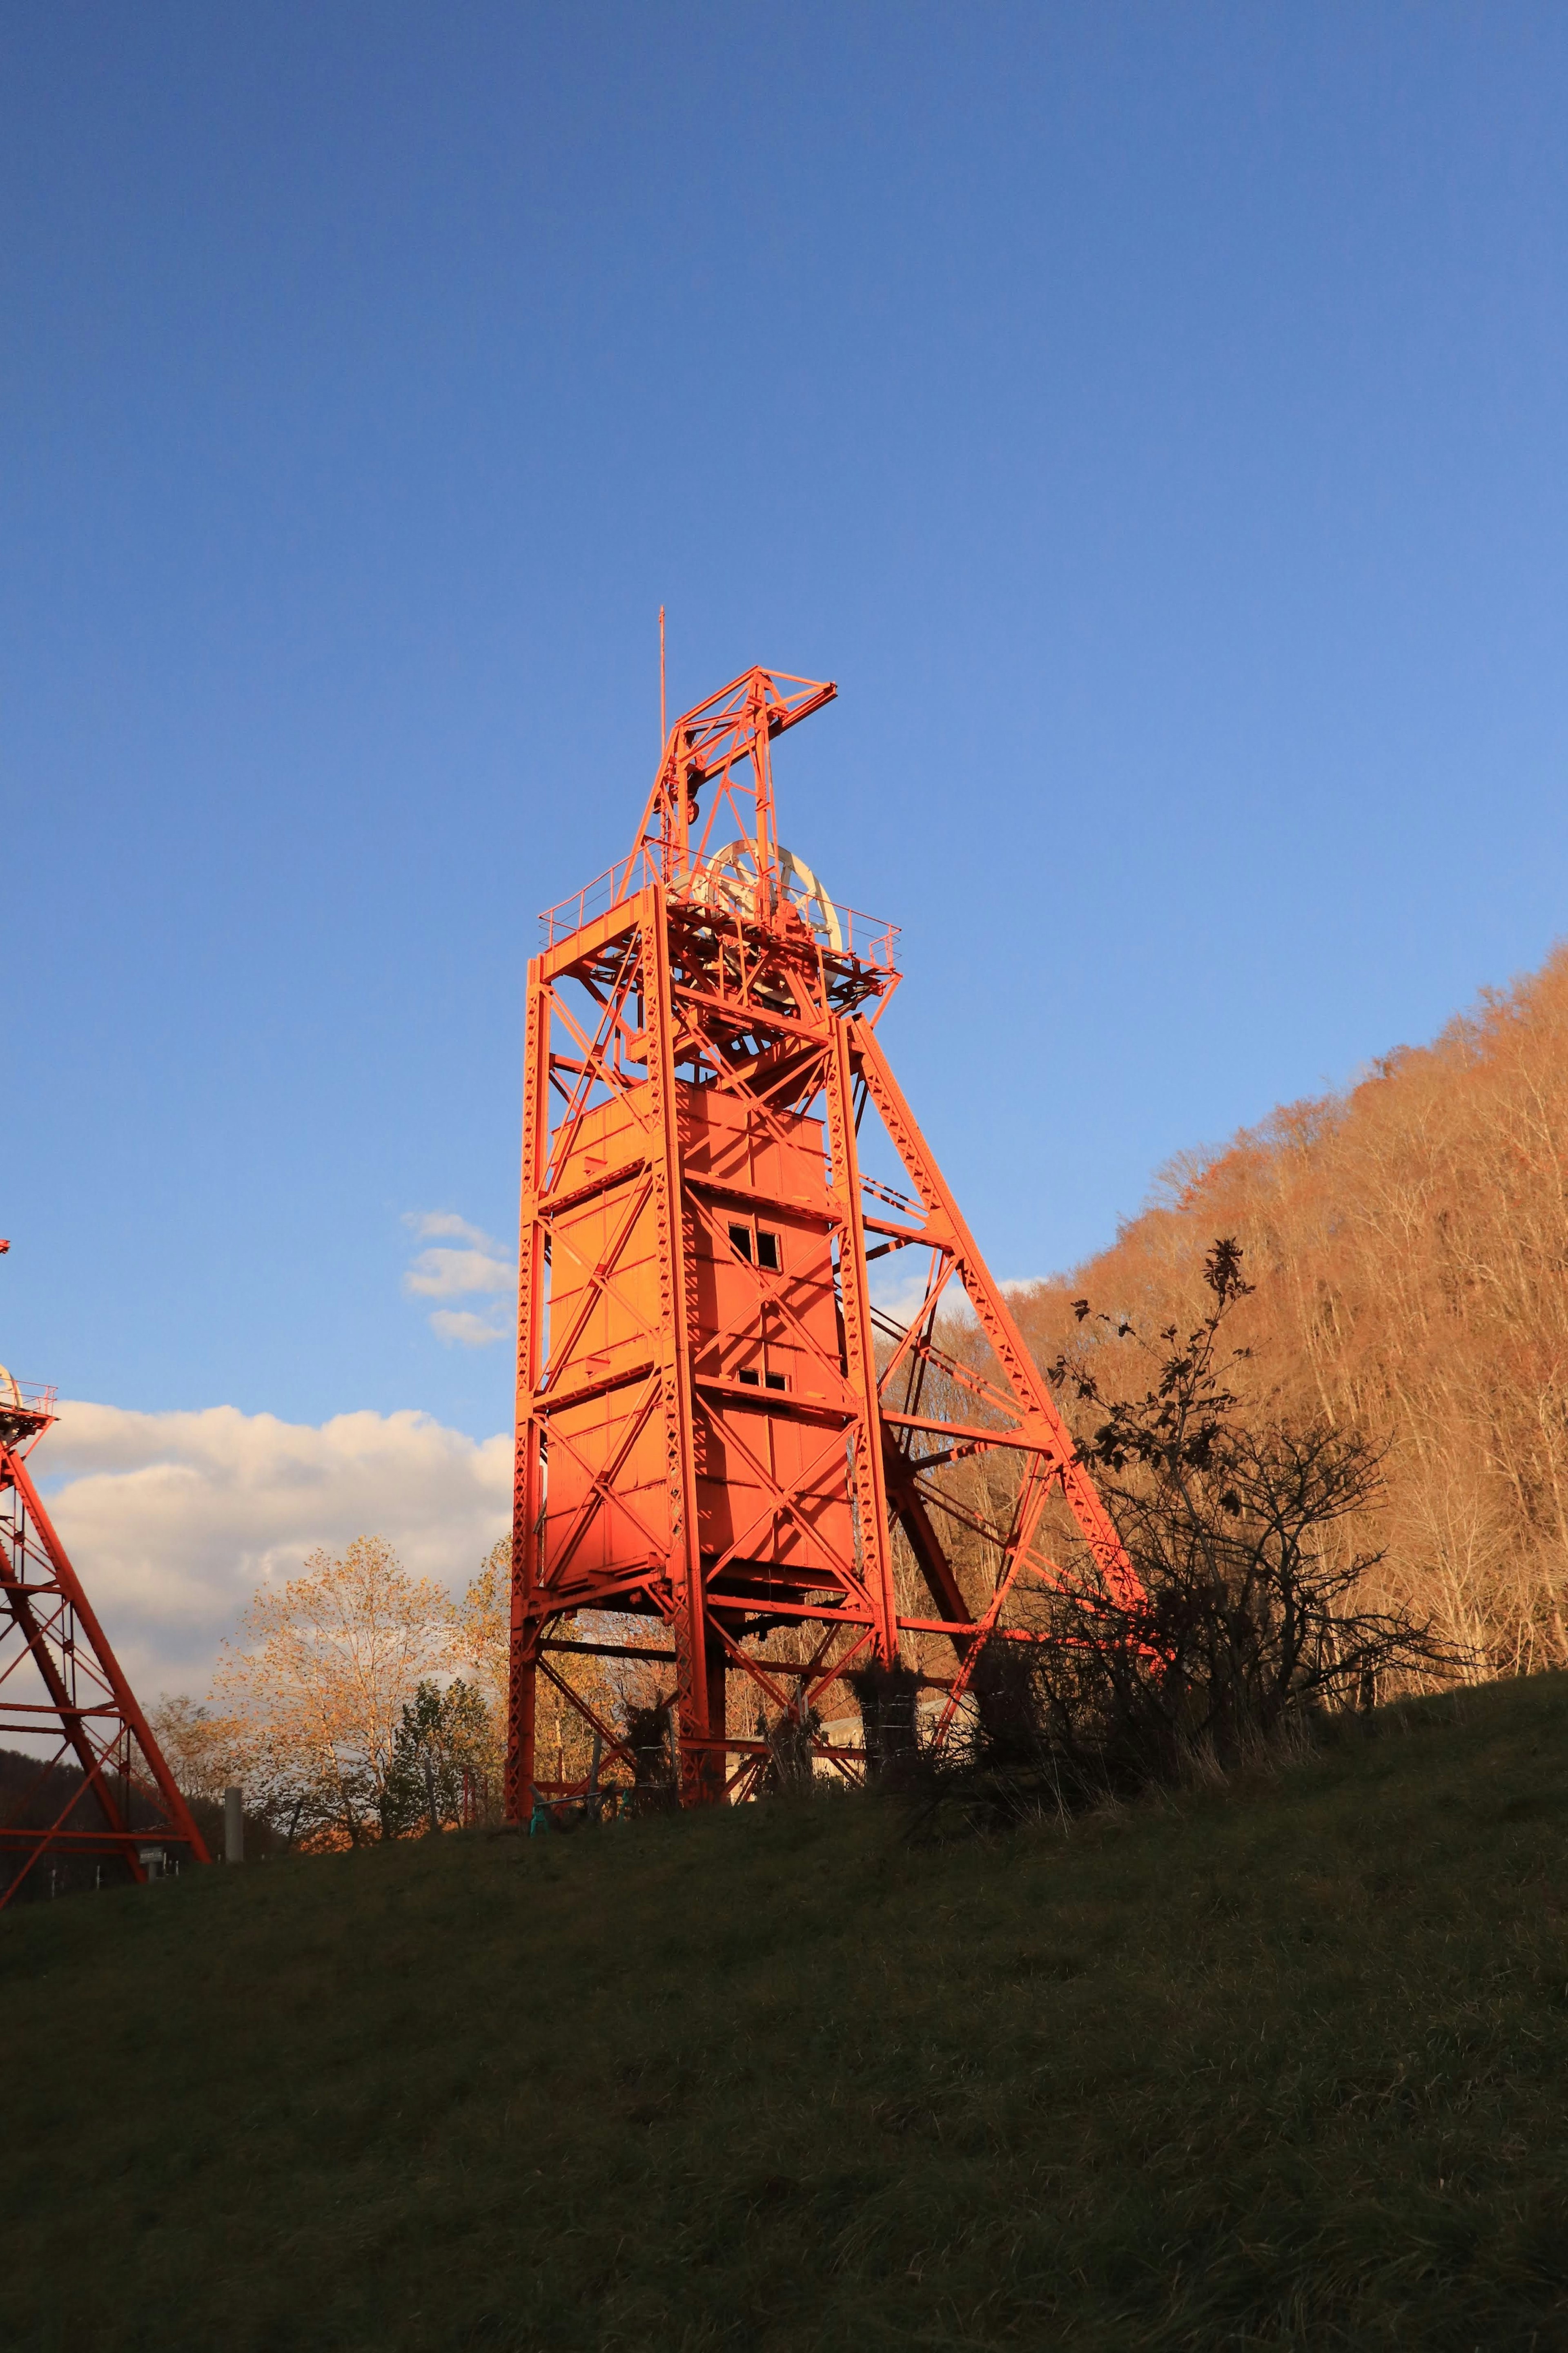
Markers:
529,1470
859,1349
700,1672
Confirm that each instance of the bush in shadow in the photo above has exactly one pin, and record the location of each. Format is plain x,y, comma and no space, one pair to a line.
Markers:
791,1765
887,1697
650,1736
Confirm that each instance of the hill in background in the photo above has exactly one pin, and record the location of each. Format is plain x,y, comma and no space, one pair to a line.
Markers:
1408,1241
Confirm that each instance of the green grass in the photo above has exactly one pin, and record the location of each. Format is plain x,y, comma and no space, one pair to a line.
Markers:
1284,2065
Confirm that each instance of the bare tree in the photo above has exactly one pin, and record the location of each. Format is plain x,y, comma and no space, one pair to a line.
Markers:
1251,1608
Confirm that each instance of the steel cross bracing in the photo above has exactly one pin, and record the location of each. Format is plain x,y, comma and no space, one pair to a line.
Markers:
716,1428
62,1692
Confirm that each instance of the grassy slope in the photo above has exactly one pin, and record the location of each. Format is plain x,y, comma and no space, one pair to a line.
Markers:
1288,2066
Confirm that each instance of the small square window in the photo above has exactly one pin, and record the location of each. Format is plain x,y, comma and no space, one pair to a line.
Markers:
774,1381
742,1237
750,1379
767,1250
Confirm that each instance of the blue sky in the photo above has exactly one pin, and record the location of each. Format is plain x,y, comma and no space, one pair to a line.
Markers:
1154,418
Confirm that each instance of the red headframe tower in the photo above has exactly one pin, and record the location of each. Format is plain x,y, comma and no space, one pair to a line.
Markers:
716,1428
92,1782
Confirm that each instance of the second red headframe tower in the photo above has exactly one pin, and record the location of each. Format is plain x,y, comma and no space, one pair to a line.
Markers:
716,1428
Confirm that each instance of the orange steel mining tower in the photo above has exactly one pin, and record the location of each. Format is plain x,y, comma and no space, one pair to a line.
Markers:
715,1427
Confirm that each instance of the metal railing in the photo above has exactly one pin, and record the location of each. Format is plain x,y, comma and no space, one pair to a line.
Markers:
26,1397
861,938
596,898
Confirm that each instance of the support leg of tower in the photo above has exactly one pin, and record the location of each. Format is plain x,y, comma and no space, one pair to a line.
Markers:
524,1699
700,1716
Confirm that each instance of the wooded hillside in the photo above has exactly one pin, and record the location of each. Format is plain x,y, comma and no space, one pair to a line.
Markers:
1408,1245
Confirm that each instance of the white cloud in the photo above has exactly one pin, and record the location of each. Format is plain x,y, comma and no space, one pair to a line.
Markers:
436,1225
457,1275
174,1519
900,1294
444,1272
469,1330
898,1286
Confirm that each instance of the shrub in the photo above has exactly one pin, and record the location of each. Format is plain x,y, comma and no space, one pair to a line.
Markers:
1249,1609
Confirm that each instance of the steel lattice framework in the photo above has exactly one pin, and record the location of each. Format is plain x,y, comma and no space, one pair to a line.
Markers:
716,1428
62,1691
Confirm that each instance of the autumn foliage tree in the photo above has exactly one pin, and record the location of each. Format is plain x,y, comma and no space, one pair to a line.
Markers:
360,1703
207,1752
317,1691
